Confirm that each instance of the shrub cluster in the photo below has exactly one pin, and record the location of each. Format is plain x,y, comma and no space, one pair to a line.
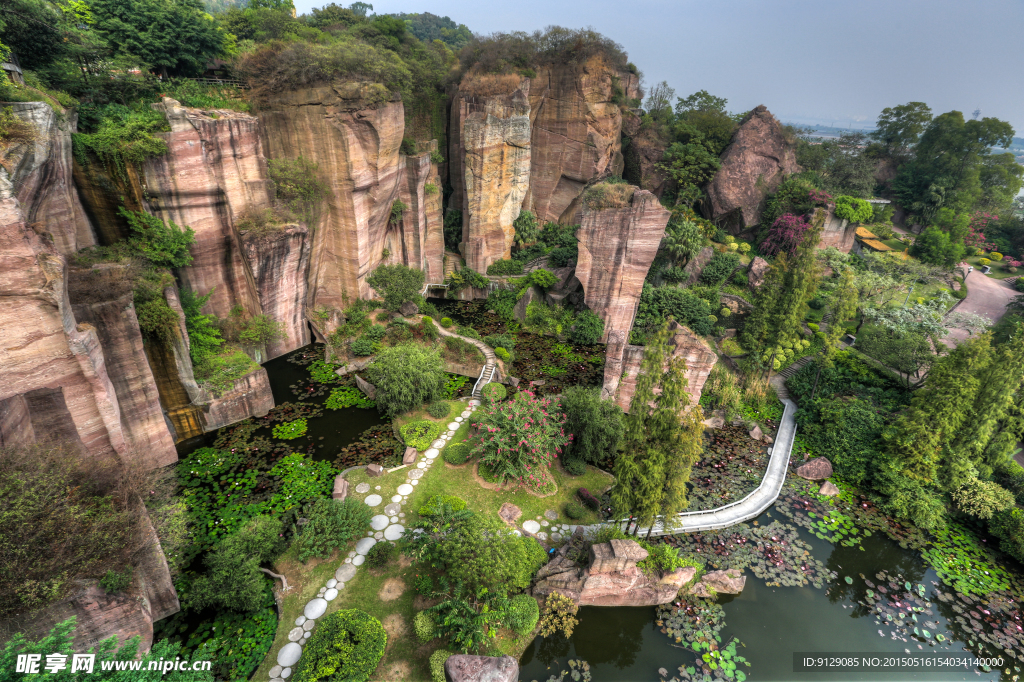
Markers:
424,626
522,614
380,554
439,409
419,434
494,391
347,645
588,499
456,454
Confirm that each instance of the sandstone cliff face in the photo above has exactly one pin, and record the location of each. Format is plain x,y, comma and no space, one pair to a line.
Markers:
112,315
616,249
355,141
213,170
249,397
575,133
279,261
753,165
835,231
622,366
45,349
45,188
643,150
490,169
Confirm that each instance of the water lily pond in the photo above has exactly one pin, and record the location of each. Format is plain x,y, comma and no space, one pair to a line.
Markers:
809,589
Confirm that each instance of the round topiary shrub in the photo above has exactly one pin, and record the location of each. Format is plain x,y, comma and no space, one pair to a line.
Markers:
456,454
996,256
984,261
437,660
729,239
522,614
425,627
712,319
744,247
446,322
347,645
724,312
574,466
503,354
439,410
363,347
575,510
380,555
494,391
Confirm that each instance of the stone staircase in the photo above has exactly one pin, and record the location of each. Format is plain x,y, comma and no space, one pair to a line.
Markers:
489,371
451,262
796,367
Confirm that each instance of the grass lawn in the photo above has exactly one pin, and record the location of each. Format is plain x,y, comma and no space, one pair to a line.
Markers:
894,244
388,593
999,270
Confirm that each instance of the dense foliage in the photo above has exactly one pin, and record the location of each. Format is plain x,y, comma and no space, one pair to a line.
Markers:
406,376
595,426
331,524
347,645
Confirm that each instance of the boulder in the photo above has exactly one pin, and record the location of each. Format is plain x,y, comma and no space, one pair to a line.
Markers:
758,268
753,166
368,389
616,555
513,382
714,422
410,455
340,488
374,470
467,668
408,309
756,433
729,334
817,469
731,581
696,265
828,488
510,513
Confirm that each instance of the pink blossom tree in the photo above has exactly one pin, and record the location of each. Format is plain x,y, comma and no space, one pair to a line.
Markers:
786,234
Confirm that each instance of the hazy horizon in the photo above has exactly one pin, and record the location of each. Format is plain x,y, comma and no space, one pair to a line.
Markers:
808,62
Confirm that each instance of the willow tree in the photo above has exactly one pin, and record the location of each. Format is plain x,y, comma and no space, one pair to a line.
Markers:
662,441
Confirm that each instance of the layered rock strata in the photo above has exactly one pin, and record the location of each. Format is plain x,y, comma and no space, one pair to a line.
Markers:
576,124
354,138
279,261
835,231
490,167
616,249
753,166
622,365
612,577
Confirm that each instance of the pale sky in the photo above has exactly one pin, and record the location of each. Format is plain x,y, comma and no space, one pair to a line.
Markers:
809,61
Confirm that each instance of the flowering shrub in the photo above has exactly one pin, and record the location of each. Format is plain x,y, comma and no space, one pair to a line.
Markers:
819,197
975,230
1013,263
786,234
520,438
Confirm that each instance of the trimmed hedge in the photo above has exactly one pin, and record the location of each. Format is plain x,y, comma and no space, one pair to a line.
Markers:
456,453
522,614
419,434
437,660
588,499
432,505
494,391
347,645
439,410
424,626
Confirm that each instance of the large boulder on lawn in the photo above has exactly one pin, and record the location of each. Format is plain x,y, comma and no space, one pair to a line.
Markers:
467,668
410,455
374,470
817,469
408,309
340,487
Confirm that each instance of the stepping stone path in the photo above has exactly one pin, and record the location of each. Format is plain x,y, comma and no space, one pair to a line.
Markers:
386,526
531,526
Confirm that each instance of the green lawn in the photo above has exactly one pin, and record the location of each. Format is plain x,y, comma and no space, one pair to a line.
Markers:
999,270
405,658
894,244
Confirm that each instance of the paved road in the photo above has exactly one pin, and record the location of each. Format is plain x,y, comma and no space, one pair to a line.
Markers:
986,297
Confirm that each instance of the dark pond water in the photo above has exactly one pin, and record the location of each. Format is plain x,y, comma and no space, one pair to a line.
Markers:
625,644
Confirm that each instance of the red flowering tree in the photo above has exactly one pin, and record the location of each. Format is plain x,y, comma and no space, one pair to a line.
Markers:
819,197
520,438
787,232
976,230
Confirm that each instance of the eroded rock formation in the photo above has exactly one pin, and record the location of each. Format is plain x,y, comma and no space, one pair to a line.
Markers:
354,137
576,124
622,365
616,249
835,231
611,578
279,261
469,668
490,164
753,165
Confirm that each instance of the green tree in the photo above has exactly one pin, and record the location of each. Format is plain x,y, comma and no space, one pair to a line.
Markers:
406,376
261,329
527,228
397,284
936,247
842,166
690,164
596,428
170,36
660,445
161,243
683,238
233,579
761,328
204,337
898,128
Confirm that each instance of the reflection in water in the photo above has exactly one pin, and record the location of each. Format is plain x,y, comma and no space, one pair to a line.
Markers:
879,553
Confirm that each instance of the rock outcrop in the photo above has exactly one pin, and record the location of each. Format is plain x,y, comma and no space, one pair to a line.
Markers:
101,300
836,231
576,125
490,151
354,138
758,269
279,261
43,169
642,155
250,396
622,365
612,577
616,249
731,581
817,469
753,165
469,668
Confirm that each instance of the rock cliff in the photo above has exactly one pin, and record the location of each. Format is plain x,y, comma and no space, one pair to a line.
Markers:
616,249
489,164
213,170
43,169
642,151
279,261
354,137
835,231
622,365
753,165
576,124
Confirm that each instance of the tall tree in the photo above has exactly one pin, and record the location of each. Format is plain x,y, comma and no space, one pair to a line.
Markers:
660,443
898,128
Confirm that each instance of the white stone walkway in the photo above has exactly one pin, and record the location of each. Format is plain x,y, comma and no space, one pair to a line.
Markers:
386,526
489,372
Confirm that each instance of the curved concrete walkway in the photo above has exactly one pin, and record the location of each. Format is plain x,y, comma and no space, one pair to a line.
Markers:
750,506
490,368
986,296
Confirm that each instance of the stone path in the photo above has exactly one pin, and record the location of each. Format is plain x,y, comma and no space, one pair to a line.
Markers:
490,370
750,506
386,526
